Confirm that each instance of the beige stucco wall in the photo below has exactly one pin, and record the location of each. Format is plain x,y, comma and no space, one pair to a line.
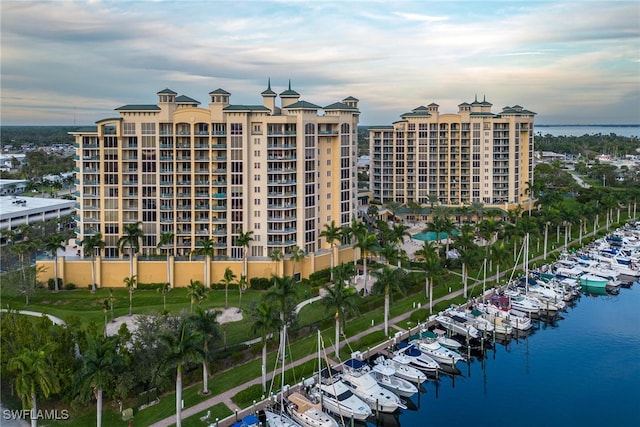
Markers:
111,273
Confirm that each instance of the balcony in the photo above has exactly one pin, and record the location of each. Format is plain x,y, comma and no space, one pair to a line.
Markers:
220,195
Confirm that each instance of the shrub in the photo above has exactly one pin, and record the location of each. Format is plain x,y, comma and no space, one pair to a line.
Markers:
260,283
51,284
70,286
150,286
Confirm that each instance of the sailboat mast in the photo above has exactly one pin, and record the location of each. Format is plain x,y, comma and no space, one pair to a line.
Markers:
526,263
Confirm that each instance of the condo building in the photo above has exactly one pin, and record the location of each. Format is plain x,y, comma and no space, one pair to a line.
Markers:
209,173
456,159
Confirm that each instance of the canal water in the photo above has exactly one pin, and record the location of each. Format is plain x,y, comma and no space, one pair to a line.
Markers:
581,370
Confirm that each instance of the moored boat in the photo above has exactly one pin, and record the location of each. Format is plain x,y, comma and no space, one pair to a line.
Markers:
308,412
357,377
385,375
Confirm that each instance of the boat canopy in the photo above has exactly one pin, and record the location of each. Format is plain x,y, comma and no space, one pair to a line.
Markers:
354,363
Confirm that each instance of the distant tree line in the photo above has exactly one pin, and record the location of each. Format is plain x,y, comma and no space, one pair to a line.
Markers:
588,146
36,135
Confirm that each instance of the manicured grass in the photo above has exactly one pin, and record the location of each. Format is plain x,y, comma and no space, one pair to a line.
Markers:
219,411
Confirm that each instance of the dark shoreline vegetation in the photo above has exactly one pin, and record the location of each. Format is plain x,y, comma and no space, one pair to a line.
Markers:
562,208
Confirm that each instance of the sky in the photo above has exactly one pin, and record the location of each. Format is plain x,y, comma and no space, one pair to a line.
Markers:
74,62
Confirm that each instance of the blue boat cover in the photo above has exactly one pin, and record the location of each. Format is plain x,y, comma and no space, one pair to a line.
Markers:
413,352
354,363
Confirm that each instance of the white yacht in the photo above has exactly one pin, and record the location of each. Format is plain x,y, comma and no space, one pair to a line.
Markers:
385,375
306,411
403,368
458,325
409,354
440,354
357,376
337,398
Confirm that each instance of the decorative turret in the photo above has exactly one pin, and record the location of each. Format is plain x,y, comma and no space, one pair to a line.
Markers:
269,97
166,96
289,96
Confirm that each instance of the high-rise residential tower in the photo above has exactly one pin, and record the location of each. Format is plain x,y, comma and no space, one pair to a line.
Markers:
208,173
457,159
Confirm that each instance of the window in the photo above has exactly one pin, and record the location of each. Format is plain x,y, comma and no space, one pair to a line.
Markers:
256,214
129,128
329,162
256,153
256,165
256,202
256,177
256,189
256,226
148,128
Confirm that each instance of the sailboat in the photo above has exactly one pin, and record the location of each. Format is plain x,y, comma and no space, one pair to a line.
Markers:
278,418
336,397
307,411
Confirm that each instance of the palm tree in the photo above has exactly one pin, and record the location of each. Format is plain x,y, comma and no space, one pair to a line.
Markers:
33,375
164,289
227,278
341,299
206,247
196,293
388,252
205,323
331,233
367,243
297,255
186,347
132,236
283,294
499,254
98,367
21,249
130,282
398,233
350,234
433,271
265,322
244,240
276,255
477,208
52,246
166,241
105,310
388,279
89,246
393,207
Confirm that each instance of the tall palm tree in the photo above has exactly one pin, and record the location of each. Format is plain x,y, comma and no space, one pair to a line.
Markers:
297,255
99,364
393,207
388,252
89,246
434,271
206,248
205,323
388,279
350,234
342,300
499,254
227,278
180,349
34,375
331,233
283,294
367,243
196,293
52,246
266,321
131,282
276,255
105,311
131,238
166,242
164,290
244,241
398,233
21,249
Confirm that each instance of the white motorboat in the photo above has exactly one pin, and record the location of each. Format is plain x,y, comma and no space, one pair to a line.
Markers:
279,419
521,303
475,319
458,325
308,412
440,354
357,377
403,368
337,398
520,323
409,354
445,341
384,374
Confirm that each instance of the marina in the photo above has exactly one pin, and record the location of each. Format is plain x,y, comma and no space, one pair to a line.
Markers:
584,351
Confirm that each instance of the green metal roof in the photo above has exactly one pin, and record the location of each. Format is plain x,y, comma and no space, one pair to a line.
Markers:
219,92
482,114
246,108
139,107
416,114
351,98
167,91
268,91
340,106
289,93
381,127
304,105
182,99
86,129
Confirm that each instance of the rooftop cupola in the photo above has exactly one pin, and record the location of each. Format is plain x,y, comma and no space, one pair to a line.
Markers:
289,96
269,97
220,96
166,96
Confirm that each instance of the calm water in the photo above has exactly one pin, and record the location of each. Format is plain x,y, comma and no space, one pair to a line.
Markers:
582,370
633,130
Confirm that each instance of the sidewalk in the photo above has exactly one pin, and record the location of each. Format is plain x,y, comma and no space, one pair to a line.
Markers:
226,396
